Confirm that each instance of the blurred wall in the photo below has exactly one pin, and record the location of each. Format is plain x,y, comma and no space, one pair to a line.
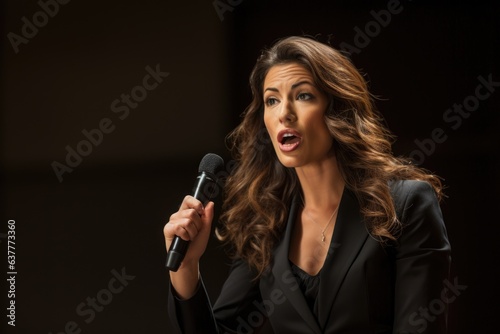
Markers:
67,77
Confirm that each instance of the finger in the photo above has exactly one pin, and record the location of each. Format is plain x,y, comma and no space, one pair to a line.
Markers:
190,221
187,213
189,217
208,215
181,229
190,202
171,230
190,226
206,221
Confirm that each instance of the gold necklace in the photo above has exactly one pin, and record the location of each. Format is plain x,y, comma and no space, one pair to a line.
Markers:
323,237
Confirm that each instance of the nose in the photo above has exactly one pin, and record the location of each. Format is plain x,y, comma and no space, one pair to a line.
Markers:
287,113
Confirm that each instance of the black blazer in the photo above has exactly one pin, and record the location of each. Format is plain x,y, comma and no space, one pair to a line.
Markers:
365,287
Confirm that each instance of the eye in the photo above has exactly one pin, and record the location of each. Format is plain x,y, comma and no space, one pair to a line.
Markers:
304,96
271,101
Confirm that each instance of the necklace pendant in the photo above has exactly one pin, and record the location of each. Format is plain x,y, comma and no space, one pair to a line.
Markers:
323,237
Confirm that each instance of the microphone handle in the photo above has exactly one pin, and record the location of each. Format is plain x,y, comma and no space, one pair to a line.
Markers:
205,189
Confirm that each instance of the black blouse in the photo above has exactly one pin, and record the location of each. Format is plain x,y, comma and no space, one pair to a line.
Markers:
309,285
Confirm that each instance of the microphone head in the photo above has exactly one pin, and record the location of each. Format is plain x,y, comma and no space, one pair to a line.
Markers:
211,163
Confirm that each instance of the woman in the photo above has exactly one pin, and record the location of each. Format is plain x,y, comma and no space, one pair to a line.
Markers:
330,232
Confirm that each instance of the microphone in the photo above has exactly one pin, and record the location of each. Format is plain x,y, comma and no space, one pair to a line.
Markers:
206,188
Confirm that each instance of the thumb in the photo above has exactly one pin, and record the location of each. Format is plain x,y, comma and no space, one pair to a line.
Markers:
208,214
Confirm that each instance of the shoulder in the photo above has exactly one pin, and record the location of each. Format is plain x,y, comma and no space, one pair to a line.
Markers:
403,188
418,210
409,195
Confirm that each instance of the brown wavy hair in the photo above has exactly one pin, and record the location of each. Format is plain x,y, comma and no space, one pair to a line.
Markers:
259,191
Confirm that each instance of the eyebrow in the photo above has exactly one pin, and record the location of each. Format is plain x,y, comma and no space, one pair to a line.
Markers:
295,85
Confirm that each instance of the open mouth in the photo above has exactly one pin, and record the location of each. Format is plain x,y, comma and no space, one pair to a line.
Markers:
289,140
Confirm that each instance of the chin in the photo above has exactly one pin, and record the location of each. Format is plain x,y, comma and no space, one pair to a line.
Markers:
289,162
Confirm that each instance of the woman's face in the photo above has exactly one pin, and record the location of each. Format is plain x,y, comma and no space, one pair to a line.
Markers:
294,111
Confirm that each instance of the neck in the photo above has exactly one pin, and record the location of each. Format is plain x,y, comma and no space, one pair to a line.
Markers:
322,185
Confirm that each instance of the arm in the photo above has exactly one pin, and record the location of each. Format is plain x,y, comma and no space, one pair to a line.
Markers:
236,309
422,262
193,315
191,223
187,297
189,306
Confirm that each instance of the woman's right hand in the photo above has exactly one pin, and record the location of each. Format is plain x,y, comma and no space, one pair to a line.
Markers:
191,223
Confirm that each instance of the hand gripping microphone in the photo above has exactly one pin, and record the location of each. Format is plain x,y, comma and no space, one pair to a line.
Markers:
207,187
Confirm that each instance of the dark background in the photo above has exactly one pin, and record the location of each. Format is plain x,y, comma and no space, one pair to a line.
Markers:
108,213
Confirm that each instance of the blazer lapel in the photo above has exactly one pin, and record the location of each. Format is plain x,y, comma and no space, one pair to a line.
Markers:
282,273
348,238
